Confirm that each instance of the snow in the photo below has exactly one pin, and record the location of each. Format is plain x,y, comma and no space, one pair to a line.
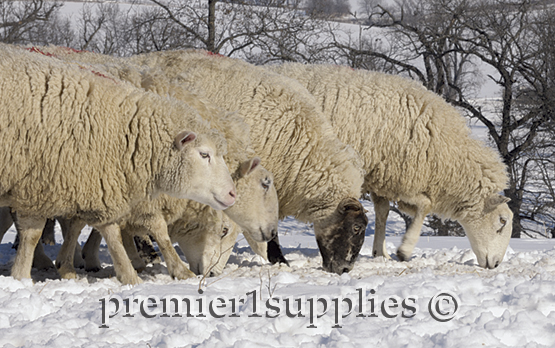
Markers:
510,306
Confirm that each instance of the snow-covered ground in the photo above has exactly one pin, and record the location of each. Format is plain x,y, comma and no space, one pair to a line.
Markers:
511,306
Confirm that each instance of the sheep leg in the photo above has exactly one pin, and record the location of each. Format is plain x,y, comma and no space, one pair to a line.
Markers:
275,254
5,221
423,208
40,259
90,252
131,249
176,268
381,209
71,229
122,265
48,232
78,261
30,233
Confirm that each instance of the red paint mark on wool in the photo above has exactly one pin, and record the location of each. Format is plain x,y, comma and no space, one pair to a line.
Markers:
36,50
214,54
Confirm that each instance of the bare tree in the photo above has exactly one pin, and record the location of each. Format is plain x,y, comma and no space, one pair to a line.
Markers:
20,21
287,34
441,43
259,31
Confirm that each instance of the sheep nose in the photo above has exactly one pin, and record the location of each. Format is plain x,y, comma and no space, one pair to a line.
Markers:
496,264
232,193
345,270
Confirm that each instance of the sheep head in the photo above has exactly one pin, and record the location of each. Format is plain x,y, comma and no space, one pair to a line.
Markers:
490,232
196,170
341,235
256,208
206,242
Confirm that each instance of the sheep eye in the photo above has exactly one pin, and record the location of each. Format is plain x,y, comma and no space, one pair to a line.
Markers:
357,228
225,231
503,221
204,155
266,184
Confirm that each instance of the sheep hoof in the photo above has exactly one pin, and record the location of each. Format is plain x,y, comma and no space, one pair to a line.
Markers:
139,265
47,241
92,264
93,269
79,263
275,255
19,275
42,263
377,254
131,279
182,272
402,256
67,272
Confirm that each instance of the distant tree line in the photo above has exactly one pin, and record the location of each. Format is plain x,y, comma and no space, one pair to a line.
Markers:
450,46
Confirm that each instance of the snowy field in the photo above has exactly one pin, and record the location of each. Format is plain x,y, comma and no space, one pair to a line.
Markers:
511,306
380,303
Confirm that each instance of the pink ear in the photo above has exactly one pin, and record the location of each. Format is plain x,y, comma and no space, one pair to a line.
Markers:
248,166
183,139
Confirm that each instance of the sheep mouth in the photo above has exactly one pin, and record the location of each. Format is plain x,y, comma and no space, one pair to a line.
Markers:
222,204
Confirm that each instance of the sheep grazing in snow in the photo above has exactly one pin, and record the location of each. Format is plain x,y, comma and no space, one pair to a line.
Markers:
206,250
194,216
417,151
201,234
317,177
80,145
255,210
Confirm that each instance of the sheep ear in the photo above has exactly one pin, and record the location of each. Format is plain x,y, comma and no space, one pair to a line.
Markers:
248,166
349,204
493,202
183,139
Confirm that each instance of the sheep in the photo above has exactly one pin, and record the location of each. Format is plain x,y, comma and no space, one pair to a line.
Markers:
200,233
255,212
80,145
417,152
317,177
206,250
198,230
207,247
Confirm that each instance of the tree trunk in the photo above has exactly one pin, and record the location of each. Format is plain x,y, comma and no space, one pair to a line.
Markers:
211,44
515,205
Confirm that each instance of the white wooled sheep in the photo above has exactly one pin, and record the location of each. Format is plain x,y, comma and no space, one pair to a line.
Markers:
417,151
256,208
318,178
80,145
